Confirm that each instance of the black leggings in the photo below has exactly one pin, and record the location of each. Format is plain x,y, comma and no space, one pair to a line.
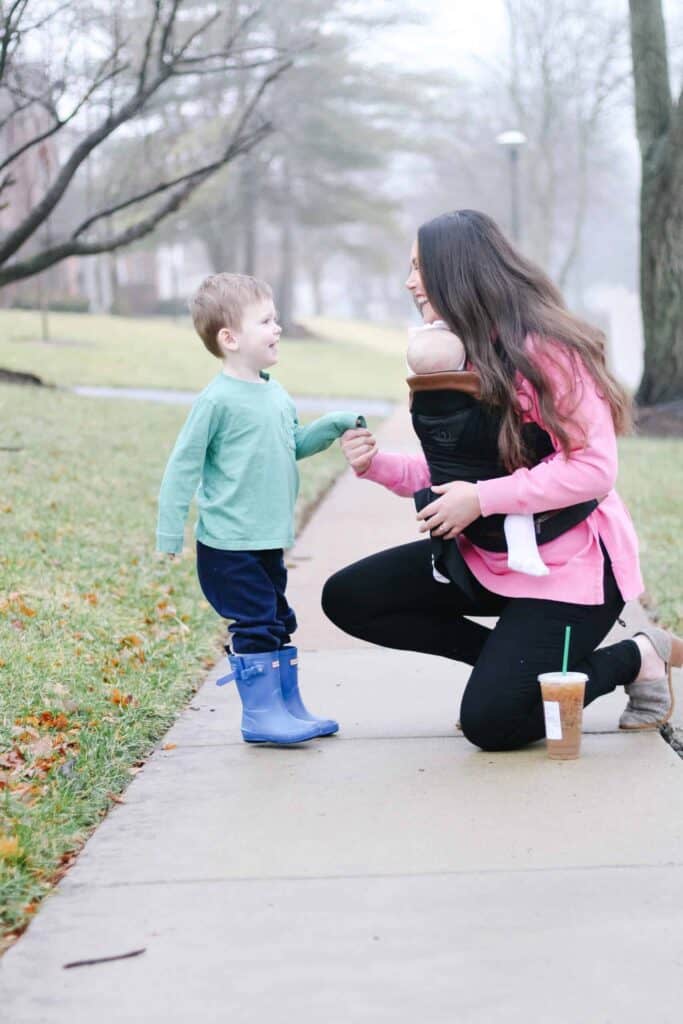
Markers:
392,599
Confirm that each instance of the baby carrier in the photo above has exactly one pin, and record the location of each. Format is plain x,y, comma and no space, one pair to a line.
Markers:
459,438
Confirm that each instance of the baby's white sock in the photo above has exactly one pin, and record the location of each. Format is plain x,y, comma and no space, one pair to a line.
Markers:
523,554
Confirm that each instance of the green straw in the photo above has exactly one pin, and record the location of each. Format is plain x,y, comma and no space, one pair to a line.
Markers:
565,656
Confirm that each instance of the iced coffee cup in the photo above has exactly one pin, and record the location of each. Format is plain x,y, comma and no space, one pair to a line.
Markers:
562,694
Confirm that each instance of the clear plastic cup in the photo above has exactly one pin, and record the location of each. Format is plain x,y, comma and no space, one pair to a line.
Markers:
563,694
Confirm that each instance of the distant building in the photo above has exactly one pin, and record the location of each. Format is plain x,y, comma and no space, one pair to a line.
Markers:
32,172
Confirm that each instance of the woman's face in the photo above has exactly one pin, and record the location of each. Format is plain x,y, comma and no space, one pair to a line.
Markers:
416,288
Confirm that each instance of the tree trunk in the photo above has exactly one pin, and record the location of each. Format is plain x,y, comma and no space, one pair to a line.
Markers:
661,277
113,282
248,193
285,291
316,272
43,306
659,123
219,243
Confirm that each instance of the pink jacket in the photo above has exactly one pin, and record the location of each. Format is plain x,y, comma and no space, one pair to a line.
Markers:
574,559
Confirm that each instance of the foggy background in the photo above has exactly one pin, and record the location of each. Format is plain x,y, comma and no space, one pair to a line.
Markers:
389,115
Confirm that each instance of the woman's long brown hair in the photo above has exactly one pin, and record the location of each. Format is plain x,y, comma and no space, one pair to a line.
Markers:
492,297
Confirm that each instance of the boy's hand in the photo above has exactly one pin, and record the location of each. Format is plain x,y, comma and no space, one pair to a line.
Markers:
359,447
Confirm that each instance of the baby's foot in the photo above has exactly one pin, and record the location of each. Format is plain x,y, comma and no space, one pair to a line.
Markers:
530,566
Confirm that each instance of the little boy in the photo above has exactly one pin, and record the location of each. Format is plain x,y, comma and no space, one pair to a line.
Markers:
240,444
433,348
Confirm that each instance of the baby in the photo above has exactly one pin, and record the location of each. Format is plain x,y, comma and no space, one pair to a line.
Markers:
433,348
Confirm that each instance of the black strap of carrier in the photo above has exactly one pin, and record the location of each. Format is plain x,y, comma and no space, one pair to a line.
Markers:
487,531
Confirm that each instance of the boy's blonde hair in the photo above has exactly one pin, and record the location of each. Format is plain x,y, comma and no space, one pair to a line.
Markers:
220,301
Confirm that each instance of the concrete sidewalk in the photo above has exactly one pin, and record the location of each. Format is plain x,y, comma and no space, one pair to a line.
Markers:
391,873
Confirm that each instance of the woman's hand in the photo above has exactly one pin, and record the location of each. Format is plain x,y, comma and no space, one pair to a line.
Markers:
359,447
457,507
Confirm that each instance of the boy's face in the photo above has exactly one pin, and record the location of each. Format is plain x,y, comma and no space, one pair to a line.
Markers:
257,340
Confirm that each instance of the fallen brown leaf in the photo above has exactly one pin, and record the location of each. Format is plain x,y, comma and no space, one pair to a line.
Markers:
122,699
131,640
9,848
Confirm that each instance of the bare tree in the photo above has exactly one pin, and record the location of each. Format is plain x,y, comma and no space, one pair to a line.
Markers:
95,70
568,63
340,124
659,124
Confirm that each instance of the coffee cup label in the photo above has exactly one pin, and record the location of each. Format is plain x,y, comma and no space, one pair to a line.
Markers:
553,722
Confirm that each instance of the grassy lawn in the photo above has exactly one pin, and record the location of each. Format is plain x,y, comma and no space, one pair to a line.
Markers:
155,352
650,483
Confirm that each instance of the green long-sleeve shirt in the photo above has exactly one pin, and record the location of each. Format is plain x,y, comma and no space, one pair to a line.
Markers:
240,444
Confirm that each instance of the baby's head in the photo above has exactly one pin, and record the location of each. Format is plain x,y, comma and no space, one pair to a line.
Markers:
434,349
234,313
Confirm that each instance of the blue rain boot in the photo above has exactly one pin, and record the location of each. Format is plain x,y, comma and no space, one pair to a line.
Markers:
265,719
289,682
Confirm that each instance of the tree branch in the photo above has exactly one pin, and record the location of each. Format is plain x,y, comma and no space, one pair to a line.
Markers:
240,142
170,62
141,196
18,108
72,247
266,62
166,31
15,239
241,26
178,56
10,31
162,54
6,182
148,44
61,122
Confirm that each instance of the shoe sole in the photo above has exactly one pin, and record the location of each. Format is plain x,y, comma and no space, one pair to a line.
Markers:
253,737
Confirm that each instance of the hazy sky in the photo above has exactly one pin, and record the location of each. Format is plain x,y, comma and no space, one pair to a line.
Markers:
476,30
455,30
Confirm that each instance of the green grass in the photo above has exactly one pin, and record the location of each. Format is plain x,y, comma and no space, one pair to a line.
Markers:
163,353
102,643
650,483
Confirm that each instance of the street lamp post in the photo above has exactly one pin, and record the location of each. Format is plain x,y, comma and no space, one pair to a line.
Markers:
512,141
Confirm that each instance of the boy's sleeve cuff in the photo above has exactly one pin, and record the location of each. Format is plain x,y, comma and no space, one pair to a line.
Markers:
349,421
169,544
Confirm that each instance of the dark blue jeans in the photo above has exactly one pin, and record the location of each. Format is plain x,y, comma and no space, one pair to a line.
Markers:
248,587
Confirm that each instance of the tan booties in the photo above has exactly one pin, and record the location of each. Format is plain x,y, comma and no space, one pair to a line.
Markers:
651,702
